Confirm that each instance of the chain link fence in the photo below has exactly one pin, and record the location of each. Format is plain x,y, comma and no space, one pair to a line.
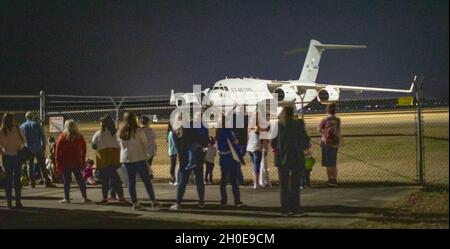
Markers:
379,144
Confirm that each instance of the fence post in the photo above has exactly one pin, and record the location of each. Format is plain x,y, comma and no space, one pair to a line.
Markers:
419,132
42,108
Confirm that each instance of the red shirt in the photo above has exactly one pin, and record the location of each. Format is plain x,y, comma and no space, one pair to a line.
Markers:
70,154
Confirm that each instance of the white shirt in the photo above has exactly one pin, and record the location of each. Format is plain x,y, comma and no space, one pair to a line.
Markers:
151,136
254,143
104,140
135,149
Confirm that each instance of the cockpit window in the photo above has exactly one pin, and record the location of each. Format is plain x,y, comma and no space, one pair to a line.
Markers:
225,88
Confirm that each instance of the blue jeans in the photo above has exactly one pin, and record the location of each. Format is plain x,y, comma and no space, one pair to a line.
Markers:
141,169
13,169
230,173
110,180
209,171
67,175
256,159
290,188
183,179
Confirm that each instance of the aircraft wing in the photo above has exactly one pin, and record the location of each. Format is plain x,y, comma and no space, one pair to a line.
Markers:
360,89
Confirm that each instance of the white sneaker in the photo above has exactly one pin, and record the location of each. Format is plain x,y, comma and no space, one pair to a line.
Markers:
175,207
175,184
64,201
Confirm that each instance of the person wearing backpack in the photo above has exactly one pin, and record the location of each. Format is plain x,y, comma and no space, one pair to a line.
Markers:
330,130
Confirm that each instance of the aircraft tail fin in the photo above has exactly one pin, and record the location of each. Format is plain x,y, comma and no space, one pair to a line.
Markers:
315,50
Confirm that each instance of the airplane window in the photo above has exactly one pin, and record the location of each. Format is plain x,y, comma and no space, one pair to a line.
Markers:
225,88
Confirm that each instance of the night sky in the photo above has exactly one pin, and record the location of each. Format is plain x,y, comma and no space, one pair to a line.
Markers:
149,47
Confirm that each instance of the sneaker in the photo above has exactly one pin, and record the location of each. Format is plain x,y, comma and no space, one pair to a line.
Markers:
201,205
175,207
332,183
223,205
299,214
19,204
137,207
175,184
50,185
240,204
64,201
104,201
122,200
285,214
255,186
155,204
85,200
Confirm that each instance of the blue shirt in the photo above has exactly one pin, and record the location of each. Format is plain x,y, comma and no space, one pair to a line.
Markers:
34,135
172,149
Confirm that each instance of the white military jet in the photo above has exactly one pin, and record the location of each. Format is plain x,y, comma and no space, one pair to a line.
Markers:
249,91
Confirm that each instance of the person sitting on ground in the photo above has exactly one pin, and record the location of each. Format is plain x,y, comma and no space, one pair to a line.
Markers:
70,157
210,157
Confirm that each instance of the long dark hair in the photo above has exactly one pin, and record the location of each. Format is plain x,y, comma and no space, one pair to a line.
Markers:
287,114
107,123
129,128
8,123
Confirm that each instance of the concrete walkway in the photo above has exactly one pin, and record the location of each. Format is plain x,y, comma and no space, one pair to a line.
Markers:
325,207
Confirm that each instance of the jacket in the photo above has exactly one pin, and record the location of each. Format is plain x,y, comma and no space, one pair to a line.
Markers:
70,154
290,143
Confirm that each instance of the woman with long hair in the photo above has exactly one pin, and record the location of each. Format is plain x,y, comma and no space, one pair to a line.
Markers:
133,154
289,145
70,157
105,143
11,141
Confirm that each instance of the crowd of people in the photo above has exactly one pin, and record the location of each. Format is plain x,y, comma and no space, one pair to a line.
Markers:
132,149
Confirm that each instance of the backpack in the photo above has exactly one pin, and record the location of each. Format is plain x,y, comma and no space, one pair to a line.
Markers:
331,131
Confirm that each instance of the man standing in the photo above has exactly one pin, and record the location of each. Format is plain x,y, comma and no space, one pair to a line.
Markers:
35,137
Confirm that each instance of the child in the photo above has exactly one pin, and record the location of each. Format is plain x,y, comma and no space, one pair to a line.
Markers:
309,163
50,161
88,172
210,155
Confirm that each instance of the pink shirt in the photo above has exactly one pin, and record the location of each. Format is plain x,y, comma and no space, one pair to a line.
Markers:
11,143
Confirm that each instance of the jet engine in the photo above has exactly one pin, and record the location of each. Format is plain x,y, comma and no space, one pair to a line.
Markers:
327,95
285,93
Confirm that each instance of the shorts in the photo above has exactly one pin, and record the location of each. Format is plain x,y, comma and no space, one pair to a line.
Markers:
329,155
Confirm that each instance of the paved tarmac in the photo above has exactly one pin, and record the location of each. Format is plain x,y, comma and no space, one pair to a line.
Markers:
325,207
